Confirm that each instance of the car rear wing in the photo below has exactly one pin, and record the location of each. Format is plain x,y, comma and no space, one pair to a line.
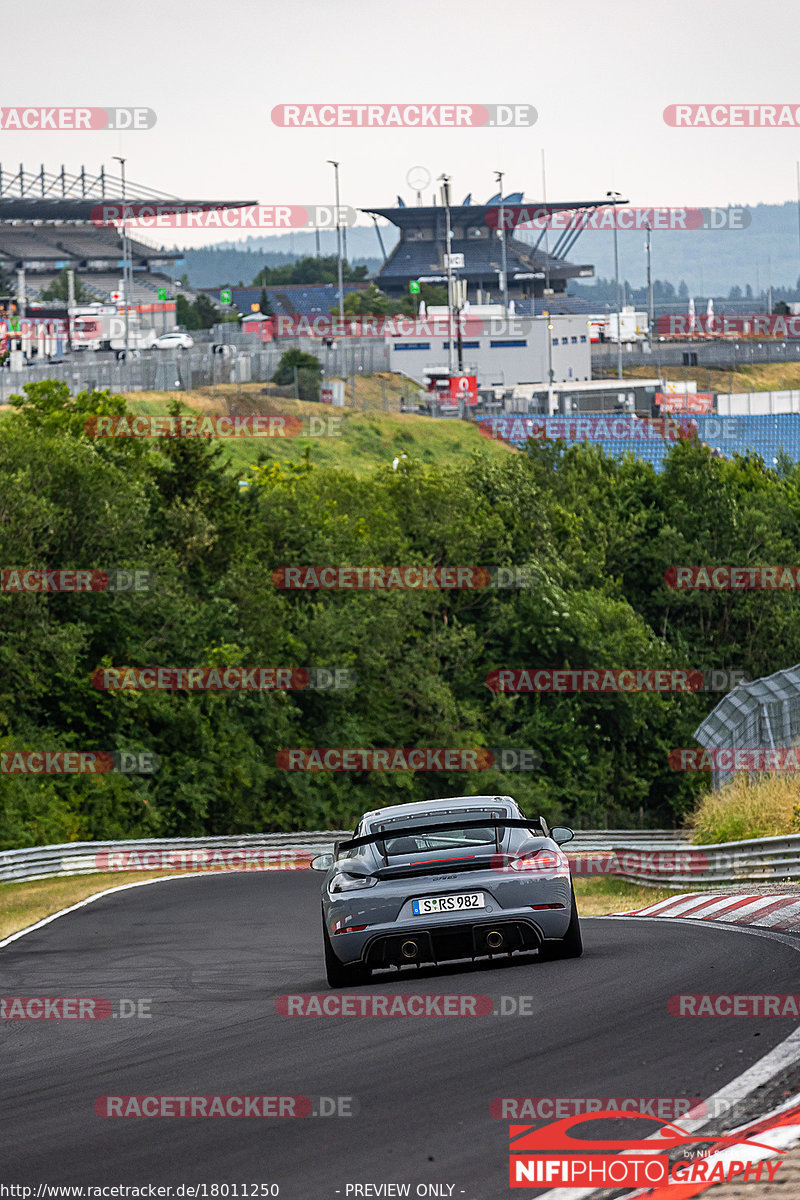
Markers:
537,825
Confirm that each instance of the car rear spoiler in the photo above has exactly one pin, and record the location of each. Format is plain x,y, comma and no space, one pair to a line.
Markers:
538,824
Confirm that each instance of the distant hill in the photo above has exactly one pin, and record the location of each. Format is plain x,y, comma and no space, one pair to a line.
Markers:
710,262
228,263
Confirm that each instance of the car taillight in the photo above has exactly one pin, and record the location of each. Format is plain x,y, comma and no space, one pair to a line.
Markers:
540,860
350,929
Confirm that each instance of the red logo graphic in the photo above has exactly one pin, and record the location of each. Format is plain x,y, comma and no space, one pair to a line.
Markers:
552,1157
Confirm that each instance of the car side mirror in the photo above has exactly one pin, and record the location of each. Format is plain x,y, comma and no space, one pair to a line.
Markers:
323,862
559,834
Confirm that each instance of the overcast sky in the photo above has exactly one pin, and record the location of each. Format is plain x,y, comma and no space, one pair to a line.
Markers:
599,75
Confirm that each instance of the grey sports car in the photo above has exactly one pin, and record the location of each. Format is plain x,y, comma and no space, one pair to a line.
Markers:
444,880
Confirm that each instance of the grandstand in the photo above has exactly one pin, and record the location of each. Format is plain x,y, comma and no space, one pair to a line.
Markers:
46,226
768,436
532,274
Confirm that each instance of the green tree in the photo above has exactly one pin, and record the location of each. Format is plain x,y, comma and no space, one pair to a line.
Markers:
310,270
59,289
295,359
186,313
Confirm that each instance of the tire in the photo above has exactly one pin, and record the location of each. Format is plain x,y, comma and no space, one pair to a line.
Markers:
340,975
571,945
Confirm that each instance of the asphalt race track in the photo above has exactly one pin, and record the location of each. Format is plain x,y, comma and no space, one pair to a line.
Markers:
213,953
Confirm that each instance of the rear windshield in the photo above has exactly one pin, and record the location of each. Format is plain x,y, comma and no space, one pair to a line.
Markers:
445,839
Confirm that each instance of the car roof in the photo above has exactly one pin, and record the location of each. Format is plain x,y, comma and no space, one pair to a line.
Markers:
431,807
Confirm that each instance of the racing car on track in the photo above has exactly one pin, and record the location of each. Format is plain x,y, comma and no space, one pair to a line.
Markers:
444,880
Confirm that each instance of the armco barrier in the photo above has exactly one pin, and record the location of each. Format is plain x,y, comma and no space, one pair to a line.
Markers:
84,858
762,860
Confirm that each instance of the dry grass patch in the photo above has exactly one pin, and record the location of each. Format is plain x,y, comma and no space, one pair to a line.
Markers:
765,806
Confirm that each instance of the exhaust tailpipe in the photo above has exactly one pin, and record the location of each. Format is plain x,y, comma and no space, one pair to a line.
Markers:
409,949
494,939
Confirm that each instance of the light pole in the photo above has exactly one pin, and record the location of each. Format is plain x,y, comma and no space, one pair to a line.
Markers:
650,312
121,161
614,196
335,166
448,260
549,362
499,177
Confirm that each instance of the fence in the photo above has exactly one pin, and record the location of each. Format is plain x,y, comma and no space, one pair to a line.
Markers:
653,858
726,356
83,858
762,860
757,403
164,371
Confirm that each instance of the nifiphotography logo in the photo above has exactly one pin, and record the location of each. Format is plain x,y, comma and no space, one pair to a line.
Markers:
552,1156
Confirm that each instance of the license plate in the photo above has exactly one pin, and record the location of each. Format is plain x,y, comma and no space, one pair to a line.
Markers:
437,904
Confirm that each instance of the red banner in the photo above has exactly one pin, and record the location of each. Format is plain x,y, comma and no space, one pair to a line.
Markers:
464,387
685,402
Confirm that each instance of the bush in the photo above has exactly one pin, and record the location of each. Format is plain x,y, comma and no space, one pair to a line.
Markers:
292,359
308,384
746,808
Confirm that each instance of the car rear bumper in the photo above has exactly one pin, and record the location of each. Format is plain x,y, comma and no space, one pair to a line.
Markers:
446,940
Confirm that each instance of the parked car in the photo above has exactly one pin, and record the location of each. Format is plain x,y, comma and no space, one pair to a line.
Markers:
176,340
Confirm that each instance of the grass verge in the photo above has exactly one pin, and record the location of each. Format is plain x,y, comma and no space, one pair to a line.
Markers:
767,806
23,904
757,377
363,438
607,894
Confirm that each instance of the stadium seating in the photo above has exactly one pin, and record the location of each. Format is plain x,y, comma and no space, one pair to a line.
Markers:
18,244
767,436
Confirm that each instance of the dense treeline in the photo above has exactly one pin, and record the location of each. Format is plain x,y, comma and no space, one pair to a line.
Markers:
599,534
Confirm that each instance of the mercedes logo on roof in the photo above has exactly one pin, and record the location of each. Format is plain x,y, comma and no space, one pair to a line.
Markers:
418,178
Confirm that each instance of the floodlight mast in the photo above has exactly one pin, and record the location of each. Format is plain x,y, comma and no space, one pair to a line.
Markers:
448,260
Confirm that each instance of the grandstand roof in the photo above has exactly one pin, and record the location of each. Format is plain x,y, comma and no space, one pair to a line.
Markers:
409,217
45,196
